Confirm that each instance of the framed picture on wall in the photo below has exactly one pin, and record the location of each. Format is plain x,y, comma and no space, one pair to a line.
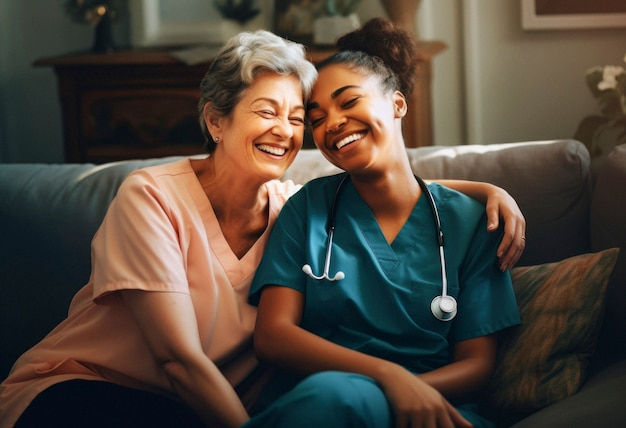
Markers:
572,14
294,19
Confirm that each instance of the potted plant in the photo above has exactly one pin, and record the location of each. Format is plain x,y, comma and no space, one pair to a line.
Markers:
601,133
237,15
98,14
340,19
240,11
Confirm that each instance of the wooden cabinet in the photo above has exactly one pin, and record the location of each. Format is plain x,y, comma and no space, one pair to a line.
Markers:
125,105
143,103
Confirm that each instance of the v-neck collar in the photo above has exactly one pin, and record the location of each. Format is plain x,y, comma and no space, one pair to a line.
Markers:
387,254
236,269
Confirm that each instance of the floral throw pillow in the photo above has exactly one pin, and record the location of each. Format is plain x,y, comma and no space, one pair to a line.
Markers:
545,359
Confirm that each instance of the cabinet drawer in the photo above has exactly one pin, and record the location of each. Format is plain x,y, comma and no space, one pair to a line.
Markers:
140,123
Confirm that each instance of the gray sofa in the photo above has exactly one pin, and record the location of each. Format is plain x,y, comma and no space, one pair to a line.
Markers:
48,214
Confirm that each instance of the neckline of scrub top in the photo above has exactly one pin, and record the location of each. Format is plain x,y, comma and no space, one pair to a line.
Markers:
387,253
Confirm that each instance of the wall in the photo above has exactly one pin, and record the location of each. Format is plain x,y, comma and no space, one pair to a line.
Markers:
498,83
30,117
495,82
30,123
3,71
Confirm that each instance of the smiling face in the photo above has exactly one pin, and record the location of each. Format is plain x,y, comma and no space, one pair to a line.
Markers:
355,125
265,130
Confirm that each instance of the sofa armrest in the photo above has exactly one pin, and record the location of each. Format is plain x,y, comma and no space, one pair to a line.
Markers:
608,230
48,215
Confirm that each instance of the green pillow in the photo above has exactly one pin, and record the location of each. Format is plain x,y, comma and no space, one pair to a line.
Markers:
545,359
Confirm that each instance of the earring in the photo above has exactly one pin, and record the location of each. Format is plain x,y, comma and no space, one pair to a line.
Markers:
216,139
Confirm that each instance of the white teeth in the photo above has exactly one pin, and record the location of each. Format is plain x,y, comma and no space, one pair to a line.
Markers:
348,140
278,151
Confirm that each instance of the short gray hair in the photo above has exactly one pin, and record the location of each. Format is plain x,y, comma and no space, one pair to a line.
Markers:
240,61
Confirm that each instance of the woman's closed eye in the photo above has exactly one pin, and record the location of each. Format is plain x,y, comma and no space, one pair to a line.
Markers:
266,113
349,103
316,121
296,120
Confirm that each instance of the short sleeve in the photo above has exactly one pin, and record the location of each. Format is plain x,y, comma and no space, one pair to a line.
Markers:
137,245
486,299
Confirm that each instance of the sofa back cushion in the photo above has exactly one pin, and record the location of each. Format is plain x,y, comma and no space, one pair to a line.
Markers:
49,213
550,180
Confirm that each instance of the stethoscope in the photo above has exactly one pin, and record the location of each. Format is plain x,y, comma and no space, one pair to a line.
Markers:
443,307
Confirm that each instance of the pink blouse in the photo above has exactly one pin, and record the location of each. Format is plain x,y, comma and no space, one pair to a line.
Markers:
159,234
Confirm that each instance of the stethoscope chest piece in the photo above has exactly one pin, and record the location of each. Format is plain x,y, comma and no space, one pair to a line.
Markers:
443,307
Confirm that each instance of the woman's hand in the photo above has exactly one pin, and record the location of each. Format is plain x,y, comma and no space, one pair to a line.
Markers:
502,205
417,404
499,205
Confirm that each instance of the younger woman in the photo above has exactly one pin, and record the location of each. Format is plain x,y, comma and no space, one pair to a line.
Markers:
371,341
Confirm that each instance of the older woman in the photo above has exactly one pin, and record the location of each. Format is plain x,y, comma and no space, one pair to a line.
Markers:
161,333
163,326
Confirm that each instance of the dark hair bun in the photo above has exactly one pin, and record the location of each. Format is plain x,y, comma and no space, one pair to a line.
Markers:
394,45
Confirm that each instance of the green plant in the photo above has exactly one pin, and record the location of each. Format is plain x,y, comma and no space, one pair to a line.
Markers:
89,11
241,11
608,85
342,7
600,133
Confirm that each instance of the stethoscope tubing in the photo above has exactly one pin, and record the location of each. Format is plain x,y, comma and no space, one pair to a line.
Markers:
443,307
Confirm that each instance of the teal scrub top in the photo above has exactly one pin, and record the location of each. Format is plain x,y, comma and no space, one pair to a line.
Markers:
382,306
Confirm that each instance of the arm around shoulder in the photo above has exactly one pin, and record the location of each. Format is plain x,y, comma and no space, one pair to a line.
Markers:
499,204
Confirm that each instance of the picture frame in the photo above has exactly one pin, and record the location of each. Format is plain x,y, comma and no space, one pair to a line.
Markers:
294,19
566,15
202,24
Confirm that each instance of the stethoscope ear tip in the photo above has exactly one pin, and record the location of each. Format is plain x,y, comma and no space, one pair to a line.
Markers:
338,276
307,269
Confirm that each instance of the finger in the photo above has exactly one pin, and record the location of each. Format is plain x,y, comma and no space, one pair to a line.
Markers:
428,420
508,239
516,249
456,418
446,420
493,217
